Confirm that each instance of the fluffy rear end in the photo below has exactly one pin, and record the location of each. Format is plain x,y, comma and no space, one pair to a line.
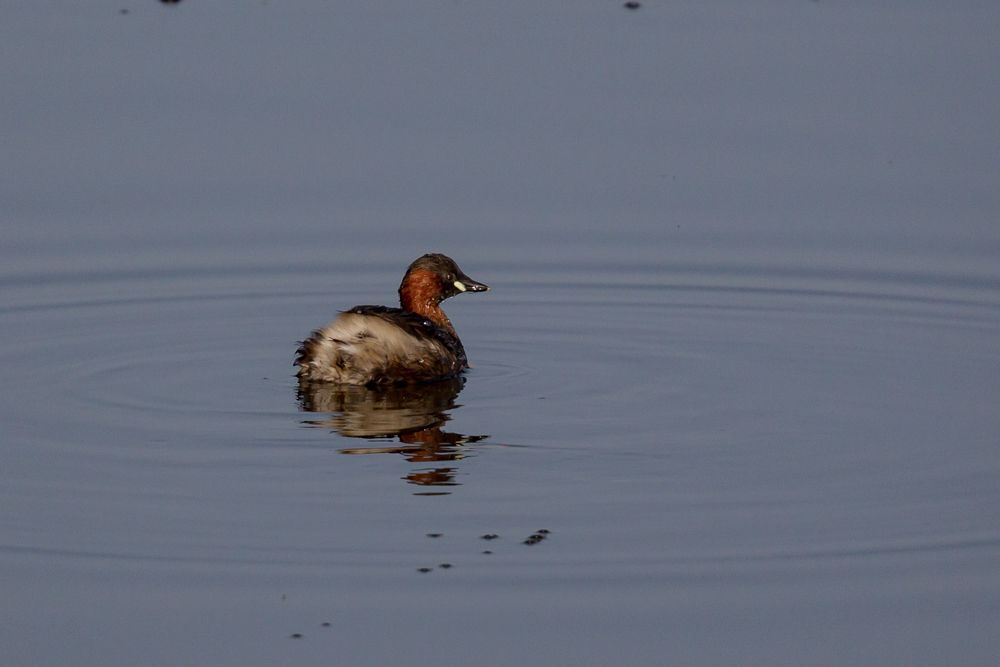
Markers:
367,349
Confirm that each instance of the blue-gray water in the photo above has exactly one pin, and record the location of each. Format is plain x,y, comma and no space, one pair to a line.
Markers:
741,355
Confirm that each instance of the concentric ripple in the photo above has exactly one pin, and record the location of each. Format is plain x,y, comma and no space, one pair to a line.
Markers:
741,413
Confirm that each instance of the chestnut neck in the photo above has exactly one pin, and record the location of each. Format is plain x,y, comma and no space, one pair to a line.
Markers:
421,293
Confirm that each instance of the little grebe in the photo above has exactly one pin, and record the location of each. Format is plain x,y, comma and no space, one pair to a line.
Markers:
375,345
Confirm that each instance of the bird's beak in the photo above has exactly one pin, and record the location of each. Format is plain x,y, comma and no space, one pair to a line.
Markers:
466,284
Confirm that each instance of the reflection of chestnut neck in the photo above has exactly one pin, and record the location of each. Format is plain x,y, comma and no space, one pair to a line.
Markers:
421,293
438,477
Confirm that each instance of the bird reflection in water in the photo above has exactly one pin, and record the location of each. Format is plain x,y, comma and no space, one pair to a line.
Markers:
413,414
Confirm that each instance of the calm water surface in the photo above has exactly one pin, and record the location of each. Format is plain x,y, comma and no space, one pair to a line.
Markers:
785,458
741,356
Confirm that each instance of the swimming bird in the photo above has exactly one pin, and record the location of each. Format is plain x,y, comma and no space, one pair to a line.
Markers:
377,345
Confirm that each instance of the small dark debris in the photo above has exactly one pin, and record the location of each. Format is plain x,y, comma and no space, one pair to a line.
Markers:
434,534
632,5
537,537
489,536
297,635
424,569
444,566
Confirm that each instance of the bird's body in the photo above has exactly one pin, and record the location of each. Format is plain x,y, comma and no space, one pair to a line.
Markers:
377,345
